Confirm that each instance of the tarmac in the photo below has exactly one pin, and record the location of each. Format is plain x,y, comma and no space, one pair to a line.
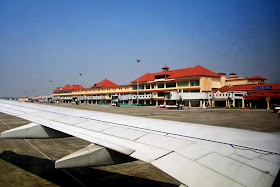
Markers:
31,162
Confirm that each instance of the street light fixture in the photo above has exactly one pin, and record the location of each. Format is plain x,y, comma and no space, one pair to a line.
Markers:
138,61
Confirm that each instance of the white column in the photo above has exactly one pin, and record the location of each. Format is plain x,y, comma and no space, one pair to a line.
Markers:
203,104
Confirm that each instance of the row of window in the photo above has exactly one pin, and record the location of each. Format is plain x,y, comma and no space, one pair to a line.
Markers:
114,89
153,86
168,85
64,92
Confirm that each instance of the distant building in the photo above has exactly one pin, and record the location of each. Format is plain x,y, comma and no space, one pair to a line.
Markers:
152,87
23,99
257,94
68,89
233,80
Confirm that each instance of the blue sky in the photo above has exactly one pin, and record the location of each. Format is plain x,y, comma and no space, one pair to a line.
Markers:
56,40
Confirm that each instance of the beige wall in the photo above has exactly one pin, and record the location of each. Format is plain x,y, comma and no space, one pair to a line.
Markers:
236,81
23,99
240,81
206,84
216,83
255,81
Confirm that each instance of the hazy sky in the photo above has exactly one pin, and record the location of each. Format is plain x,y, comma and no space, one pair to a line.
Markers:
43,40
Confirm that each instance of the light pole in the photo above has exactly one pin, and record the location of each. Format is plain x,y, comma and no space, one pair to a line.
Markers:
50,91
138,61
80,86
33,95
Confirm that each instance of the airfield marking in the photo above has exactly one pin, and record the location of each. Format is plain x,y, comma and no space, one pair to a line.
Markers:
5,124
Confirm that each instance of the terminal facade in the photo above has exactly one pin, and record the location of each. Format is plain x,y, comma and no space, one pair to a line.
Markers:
153,87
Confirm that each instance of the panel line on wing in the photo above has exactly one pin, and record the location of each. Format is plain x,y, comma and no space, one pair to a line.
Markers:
180,135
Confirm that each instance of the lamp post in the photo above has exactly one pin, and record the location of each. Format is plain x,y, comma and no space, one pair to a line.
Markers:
50,91
138,61
33,95
80,86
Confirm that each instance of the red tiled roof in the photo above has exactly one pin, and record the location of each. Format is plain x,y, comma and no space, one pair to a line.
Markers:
77,87
146,77
252,78
257,77
248,87
69,87
251,86
58,89
259,95
165,67
187,72
105,83
194,71
162,73
224,89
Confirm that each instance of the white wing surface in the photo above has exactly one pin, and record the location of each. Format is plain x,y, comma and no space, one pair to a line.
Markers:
196,155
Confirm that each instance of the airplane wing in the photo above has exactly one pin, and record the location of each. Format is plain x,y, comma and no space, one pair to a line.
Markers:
194,154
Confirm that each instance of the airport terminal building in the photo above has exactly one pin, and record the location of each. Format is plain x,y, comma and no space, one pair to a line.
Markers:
151,89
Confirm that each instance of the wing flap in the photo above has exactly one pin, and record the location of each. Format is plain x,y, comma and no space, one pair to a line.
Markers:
192,173
236,170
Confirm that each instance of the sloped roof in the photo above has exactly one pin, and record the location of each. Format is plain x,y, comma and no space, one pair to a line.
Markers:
77,87
248,87
251,86
232,77
252,78
165,67
259,95
194,71
105,83
69,87
257,77
224,89
146,77
186,72
58,89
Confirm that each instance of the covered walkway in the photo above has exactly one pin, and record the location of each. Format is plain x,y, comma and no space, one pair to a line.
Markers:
262,100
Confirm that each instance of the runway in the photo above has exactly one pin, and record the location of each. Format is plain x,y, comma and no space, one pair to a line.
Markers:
31,162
